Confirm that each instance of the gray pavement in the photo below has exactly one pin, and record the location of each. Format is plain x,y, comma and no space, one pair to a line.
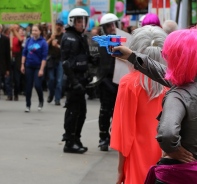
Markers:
31,147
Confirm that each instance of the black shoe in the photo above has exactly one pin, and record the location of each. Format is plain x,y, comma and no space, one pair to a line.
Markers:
49,99
40,106
74,148
57,102
104,144
78,141
16,98
9,98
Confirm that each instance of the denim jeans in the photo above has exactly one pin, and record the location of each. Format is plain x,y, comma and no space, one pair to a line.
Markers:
55,76
31,75
8,86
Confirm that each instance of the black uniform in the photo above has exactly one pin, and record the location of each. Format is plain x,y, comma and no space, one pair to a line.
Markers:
108,91
75,57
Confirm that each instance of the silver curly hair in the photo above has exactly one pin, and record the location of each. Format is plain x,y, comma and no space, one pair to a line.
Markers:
149,40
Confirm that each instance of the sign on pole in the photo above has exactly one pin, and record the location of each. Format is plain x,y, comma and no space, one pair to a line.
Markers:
136,7
162,9
19,11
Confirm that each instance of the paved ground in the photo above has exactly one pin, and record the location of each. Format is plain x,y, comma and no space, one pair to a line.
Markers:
31,147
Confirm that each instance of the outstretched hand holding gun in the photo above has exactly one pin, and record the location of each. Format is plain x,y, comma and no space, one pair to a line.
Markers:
125,52
110,41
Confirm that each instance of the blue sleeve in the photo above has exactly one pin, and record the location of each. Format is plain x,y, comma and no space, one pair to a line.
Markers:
44,50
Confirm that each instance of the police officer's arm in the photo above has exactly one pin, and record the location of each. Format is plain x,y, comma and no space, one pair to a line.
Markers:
68,55
144,64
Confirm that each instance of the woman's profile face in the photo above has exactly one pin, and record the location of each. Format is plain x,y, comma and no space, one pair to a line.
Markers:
35,32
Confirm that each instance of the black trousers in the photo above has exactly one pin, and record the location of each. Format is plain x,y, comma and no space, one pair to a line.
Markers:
108,91
75,115
166,161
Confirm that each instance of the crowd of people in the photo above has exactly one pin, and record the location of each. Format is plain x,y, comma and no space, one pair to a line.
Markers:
161,86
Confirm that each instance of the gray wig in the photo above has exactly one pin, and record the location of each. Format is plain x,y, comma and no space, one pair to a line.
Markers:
149,40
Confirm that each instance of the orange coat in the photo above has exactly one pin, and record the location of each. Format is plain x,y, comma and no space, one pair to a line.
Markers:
134,127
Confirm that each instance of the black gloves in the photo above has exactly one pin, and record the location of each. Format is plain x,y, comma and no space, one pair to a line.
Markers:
78,88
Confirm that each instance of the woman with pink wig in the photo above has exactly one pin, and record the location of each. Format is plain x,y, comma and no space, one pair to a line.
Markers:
176,132
151,19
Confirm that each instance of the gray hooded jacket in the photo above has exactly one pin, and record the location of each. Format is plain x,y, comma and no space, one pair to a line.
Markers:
178,120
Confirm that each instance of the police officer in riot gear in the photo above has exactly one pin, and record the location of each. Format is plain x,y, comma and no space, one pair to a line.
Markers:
75,57
108,90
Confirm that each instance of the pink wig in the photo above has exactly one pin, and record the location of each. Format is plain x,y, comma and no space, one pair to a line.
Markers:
180,53
151,19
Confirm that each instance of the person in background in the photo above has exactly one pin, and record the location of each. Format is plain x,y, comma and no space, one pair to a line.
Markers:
33,64
151,19
5,60
7,78
45,30
75,57
28,31
169,26
107,88
137,104
6,31
96,31
54,64
130,29
17,39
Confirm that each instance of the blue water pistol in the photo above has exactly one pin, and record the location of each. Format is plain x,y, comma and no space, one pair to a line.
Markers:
110,41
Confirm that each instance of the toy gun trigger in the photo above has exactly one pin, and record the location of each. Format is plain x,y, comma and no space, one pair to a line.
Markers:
107,47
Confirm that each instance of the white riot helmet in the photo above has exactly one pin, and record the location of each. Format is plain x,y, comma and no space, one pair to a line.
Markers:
77,12
107,19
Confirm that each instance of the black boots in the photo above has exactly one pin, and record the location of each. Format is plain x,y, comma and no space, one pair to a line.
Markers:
104,144
74,147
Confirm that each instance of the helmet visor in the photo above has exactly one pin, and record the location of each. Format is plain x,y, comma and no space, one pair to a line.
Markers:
81,21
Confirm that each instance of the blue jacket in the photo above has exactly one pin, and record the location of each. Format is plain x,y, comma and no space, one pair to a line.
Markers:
35,51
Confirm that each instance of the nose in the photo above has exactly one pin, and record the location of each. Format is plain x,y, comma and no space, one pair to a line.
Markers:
112,25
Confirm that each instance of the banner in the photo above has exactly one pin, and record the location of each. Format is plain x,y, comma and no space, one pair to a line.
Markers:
84,4
100,5
136,7
29,11
193,12
117,7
